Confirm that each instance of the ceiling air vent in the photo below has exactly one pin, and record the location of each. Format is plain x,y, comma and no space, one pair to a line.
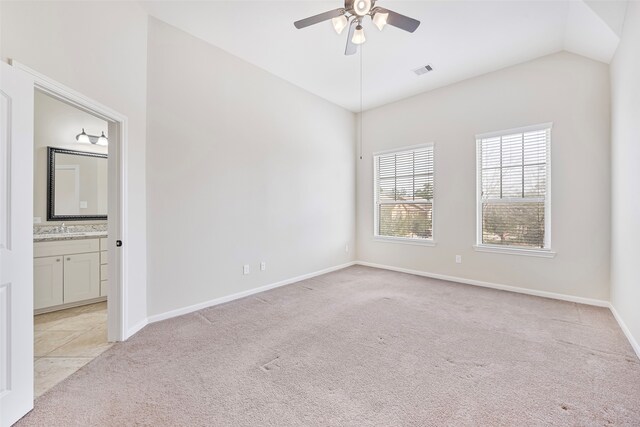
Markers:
423,70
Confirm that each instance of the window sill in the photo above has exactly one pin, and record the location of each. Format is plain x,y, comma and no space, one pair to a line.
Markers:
542,253
404,241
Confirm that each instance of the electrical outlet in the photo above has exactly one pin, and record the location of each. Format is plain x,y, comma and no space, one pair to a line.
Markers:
245,269
346,248
263,266
458,259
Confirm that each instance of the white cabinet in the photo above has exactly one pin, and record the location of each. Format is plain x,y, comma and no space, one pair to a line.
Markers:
81,277
47,276
104,270
104,288
64,247
69,272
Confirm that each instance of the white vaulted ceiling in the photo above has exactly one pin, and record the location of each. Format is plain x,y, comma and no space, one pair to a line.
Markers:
461,39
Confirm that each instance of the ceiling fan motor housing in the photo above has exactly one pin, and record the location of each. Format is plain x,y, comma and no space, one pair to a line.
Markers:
359,7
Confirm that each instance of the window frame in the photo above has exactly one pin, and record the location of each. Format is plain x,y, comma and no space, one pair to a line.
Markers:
376,224
545,252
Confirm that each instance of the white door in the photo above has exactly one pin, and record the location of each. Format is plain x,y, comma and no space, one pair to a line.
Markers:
16,244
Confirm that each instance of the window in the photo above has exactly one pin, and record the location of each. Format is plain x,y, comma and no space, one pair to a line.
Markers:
404,194
513,186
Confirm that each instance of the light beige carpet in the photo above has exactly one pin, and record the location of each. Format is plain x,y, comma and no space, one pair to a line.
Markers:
362,347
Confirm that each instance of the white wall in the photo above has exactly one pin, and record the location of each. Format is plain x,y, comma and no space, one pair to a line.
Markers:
242,167
625,160
98,49
55,125
566,89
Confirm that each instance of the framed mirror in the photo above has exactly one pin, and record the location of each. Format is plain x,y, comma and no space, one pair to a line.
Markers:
76,185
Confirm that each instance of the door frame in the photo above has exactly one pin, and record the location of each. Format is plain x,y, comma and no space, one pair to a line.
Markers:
117,212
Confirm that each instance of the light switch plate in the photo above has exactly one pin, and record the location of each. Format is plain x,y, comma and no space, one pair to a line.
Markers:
83,205
263,266
245,269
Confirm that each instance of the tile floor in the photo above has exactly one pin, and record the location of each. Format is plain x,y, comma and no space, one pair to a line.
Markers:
66,340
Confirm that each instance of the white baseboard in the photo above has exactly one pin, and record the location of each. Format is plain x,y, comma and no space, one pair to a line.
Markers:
136,328
544,294
627,332
190,309
221,300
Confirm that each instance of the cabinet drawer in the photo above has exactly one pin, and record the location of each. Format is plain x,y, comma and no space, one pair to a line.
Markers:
104,288
104,243
104,257
104,271
65,247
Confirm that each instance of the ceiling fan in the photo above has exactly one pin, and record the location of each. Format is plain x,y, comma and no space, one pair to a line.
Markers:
353,14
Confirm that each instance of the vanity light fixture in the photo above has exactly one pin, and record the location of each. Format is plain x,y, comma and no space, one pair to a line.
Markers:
84,138
102,140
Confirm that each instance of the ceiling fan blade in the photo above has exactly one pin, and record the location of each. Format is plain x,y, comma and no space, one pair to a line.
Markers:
315,19
401,21
351,48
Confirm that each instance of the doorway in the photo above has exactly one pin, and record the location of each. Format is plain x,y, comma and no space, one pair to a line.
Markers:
111,251
70,235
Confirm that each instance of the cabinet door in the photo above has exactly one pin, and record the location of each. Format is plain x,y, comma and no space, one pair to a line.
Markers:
81,277
47,282
104,288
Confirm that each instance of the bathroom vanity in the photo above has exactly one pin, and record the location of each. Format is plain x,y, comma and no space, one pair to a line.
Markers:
70,269
70,262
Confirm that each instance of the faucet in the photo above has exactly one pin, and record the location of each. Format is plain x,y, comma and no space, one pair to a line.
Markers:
63,228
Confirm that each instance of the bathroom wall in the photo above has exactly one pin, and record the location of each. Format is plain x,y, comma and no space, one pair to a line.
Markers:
56,124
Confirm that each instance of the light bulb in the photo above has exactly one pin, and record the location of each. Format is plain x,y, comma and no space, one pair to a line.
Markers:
362,7
380,20
358,35
339,23
102,140
83,137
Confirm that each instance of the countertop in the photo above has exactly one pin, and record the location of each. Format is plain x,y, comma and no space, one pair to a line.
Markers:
50,237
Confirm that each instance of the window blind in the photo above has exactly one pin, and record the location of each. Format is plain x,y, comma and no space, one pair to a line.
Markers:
404,193
513,175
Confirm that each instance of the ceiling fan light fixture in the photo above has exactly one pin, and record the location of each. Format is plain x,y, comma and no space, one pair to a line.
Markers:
362,7
339,23
353,14
380,20
358,35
